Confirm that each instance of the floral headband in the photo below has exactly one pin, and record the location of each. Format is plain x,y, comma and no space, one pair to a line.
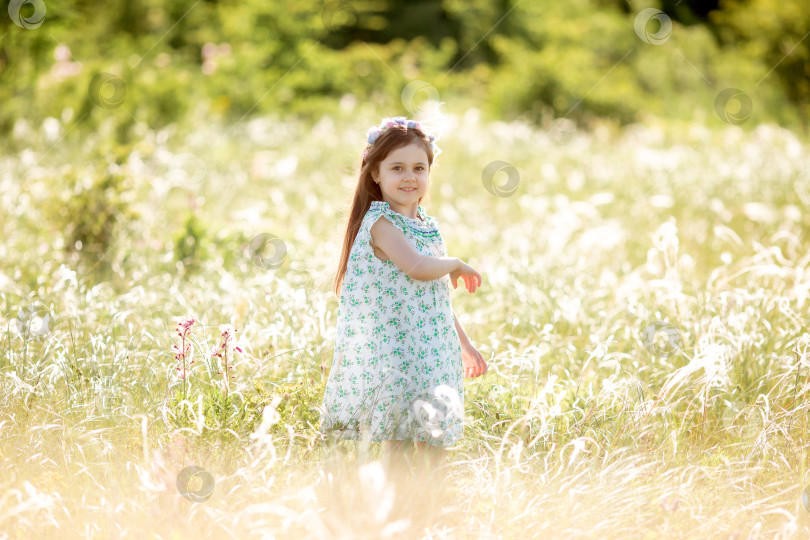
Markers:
387,123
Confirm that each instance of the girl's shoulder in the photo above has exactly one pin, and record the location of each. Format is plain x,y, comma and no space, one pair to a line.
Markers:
423,228
422,219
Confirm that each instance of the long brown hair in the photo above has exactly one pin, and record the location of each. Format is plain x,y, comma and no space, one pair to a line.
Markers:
367,190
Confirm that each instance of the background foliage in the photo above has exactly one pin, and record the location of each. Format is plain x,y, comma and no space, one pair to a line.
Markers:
532,59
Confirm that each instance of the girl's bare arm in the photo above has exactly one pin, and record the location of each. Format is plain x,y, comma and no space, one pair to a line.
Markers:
391,241
462,335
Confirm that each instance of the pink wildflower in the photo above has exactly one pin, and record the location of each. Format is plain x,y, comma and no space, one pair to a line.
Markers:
181,352
225,352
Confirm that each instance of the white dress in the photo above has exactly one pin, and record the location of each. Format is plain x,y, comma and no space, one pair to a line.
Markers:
396,371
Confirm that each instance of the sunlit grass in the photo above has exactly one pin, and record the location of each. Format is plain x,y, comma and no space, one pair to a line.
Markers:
643,313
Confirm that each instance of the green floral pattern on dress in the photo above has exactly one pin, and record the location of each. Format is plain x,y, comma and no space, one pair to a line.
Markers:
396,371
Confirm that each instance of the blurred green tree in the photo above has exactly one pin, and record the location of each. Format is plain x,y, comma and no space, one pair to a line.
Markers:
776,31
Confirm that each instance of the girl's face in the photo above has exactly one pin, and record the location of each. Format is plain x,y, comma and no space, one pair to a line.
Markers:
404,176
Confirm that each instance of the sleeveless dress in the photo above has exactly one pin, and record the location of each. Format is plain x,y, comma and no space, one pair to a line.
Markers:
396,373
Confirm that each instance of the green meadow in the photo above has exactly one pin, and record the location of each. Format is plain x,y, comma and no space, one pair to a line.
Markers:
643,313
644,253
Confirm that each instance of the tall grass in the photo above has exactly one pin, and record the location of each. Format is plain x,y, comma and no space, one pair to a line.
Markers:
644,313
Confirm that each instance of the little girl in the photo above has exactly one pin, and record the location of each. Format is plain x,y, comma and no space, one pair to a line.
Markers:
400,351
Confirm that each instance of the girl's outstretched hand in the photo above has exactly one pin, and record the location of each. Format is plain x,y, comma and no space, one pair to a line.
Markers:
472,278
472,361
